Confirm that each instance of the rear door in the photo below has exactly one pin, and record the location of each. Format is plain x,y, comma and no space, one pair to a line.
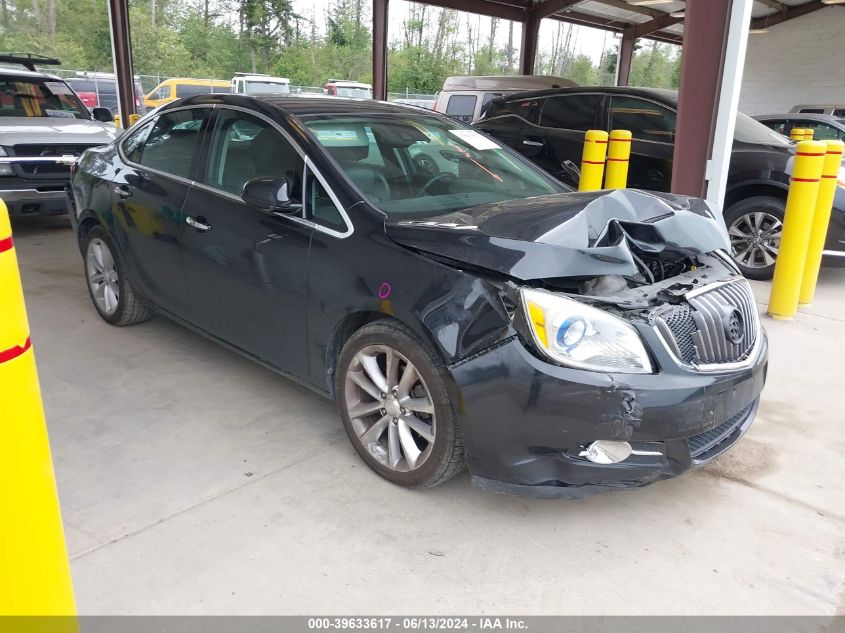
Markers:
559,137
653,129
148,194
246,268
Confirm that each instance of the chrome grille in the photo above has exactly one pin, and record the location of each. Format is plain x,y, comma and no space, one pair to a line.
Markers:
46,169
51,149
718,325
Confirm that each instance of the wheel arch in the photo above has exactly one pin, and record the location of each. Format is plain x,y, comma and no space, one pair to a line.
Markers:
757,188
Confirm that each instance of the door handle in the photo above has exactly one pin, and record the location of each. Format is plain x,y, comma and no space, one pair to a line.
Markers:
199,223
122,191
532,143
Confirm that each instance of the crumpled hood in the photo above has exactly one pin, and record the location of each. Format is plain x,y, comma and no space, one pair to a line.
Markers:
567,235
38,130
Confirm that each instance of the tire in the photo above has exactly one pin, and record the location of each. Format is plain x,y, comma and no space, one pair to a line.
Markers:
123,307
438,460
742,219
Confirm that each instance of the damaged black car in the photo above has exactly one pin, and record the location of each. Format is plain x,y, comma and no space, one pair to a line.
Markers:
461,306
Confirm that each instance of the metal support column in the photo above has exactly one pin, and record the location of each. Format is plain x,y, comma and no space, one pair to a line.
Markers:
528,50
380,49
121,46
626,55
705,34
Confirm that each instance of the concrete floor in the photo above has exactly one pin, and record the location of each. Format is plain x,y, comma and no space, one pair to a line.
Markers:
193,481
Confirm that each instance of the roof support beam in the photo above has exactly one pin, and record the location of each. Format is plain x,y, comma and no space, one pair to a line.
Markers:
623,61
547,7
528,50
616,26
633,8
641,30
121,47
788,14
485,7
380,49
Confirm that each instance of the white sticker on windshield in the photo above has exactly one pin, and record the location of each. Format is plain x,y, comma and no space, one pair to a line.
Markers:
476,140
61,114
58,87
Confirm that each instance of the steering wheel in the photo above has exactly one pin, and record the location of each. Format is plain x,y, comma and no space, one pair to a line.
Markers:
435,179
426,164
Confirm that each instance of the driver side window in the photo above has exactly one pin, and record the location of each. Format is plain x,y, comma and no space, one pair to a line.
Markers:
244,147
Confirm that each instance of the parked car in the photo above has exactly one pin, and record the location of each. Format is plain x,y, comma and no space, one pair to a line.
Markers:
253,84
548,127
100,90
343,88
44,127
830,110
824,126
460,304
177,88
465,98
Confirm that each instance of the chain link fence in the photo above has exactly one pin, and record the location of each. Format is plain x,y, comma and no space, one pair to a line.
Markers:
150,82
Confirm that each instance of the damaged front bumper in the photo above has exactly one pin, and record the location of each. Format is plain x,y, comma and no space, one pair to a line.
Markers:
524,421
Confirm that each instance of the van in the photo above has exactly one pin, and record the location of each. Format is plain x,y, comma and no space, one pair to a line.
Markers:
464,98
256,84
100,90
177,88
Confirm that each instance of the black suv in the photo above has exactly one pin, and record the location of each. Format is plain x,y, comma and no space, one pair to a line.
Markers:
548,127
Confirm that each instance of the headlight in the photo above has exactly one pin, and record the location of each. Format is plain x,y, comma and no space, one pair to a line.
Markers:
575,334
5,168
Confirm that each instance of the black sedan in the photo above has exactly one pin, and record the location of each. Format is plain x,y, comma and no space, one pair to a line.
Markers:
548,127
459,304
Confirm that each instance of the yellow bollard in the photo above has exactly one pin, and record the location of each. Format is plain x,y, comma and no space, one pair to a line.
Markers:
808,134
618,155
117,120
796,134
797,221
133,119
34,570
821,218
592,161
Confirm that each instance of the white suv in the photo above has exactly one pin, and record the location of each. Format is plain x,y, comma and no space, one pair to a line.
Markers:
44,128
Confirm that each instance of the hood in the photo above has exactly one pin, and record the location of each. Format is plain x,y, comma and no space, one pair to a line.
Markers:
568,234
36,130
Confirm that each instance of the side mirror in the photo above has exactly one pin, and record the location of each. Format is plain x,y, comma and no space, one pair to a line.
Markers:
102,114
271,194
572,172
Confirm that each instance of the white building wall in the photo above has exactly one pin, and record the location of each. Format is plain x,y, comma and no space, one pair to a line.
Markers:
798,61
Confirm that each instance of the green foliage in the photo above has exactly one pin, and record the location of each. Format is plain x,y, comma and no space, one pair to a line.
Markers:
216,38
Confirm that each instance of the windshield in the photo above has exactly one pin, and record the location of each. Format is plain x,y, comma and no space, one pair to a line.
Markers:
421,165
266,88
348,91
750,131
37,97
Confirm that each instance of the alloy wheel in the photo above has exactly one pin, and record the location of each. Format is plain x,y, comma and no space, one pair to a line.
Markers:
755,239
102,276
390,408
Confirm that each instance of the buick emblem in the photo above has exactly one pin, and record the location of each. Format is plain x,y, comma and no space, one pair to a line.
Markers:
734,326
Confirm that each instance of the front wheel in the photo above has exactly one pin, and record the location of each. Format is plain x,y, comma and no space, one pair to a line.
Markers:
108,283
393,399
754,227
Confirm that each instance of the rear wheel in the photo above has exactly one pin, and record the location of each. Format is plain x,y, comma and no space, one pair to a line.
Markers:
393,399
108,284
755,226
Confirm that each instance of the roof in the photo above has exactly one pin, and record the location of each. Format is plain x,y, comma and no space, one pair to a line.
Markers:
304,106
348,82
507,82
661,21
264,78
20,72
806,116
667,97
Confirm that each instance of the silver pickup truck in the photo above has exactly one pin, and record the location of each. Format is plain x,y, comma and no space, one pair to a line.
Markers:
44,128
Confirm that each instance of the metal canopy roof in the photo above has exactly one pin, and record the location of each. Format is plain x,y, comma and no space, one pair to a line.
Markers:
662,20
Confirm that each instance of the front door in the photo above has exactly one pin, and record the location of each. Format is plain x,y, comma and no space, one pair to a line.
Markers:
246,268
148,194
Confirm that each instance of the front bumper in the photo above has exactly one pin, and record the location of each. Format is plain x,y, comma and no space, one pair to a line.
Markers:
45,199
523,421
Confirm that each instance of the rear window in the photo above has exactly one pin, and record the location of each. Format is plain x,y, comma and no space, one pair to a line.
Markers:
461,107
811,111
647,121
